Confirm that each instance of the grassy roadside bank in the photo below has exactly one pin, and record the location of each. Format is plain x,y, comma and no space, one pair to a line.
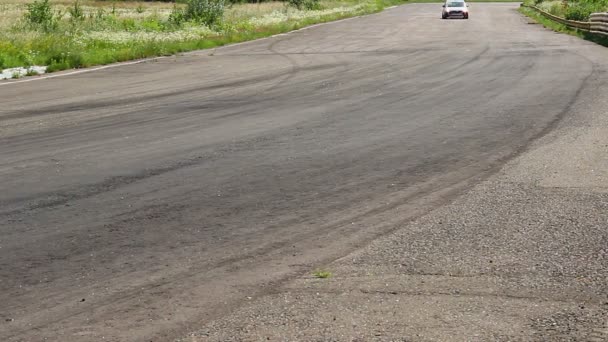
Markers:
441,1
66,34
578,10
555,26
87,33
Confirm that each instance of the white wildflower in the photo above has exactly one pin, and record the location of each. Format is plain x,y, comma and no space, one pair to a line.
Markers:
124,37
277,17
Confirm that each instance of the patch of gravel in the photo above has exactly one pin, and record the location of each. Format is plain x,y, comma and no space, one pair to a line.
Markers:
20,72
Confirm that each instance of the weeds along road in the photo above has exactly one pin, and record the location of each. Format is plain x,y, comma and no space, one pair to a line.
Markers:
141,201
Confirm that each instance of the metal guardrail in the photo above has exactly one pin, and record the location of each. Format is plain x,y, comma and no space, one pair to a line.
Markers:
599,23
581,25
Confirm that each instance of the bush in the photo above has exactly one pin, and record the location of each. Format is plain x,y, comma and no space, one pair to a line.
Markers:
177,16
577,12
296,3
557,9
305,4
312,5
62,61
39,13
582,10
206,12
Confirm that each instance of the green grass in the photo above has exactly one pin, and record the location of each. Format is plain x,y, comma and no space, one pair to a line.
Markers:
441,1
92,32
96,37
555,26
321,274
578,10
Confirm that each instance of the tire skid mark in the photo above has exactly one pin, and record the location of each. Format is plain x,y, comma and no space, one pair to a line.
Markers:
132,99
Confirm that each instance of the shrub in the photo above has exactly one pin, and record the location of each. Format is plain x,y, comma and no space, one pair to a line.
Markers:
39,13
312,5
296,3
305,4
555,8
581,10
206,12
62,61
577,12
177,16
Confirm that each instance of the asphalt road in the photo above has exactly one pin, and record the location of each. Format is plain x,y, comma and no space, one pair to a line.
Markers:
142,201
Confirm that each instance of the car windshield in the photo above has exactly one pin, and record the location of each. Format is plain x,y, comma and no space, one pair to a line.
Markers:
455,4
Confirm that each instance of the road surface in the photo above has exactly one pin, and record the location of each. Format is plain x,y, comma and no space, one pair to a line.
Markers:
139,202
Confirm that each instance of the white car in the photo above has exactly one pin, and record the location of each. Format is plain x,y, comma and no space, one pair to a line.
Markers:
455,9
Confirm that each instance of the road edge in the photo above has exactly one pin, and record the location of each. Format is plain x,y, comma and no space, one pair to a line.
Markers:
72,72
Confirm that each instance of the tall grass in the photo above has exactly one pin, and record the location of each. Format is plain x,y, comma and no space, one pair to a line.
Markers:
548,23
579,10
63,35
